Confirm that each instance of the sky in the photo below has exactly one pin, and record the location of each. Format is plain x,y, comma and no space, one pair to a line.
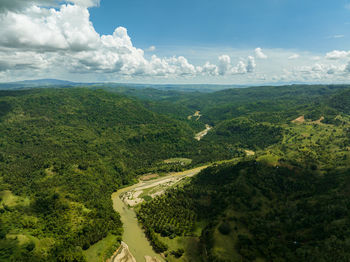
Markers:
184,41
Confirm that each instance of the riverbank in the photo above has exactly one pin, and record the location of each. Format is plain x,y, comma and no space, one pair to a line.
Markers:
203,133
122,254
133,236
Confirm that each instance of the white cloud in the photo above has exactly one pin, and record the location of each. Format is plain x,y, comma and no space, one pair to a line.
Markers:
17,5
64,39
259,53
224,64
294,56
347,68
336,54
48,30
251,64
210,69
226,68
20,5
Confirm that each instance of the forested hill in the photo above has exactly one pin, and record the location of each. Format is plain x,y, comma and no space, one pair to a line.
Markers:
253,211
63,152
266,103
263,103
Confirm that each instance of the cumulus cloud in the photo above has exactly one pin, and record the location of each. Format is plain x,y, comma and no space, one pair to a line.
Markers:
43,37
210,69
47,29
347,68
322,72
251,64
22,61
336,54
20,5
259,53
40,38
225,66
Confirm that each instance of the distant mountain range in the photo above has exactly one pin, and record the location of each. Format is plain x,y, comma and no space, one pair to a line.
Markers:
40,83
36,83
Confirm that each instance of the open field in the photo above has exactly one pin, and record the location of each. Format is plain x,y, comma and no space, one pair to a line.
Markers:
181,161
155,187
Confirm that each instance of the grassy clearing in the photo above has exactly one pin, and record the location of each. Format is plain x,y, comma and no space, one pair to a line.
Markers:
188,244
315,142
7,198
22,239
180,161
270,158
149,177
102,250
42,246
224,247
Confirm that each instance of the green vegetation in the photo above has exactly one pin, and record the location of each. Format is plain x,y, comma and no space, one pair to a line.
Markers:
275,207
245,133
179,161
103,249
63,153
65,150
175,221
257,211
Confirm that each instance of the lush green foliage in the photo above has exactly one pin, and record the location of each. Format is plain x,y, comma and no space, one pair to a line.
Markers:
289,205
177,220
68,150
64,151
245,133
275,213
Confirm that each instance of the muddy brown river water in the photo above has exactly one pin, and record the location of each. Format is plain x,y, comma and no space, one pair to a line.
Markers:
133,234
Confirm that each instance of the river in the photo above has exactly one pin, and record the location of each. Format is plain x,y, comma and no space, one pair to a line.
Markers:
133,234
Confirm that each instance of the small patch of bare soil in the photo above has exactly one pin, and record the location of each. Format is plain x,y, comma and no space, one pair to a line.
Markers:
148,177
299,120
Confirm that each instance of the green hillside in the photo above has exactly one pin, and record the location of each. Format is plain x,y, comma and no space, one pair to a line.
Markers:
278,185
287,200
63,152
252,211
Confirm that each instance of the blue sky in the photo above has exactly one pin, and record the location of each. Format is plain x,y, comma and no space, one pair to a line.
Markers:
160,41
291,24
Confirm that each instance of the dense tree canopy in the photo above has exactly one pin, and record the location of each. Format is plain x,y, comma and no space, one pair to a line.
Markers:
65,150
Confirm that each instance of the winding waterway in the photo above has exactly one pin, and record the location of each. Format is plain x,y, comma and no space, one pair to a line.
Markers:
133,234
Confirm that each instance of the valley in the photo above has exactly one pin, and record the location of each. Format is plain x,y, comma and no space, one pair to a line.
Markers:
98,173
174,131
